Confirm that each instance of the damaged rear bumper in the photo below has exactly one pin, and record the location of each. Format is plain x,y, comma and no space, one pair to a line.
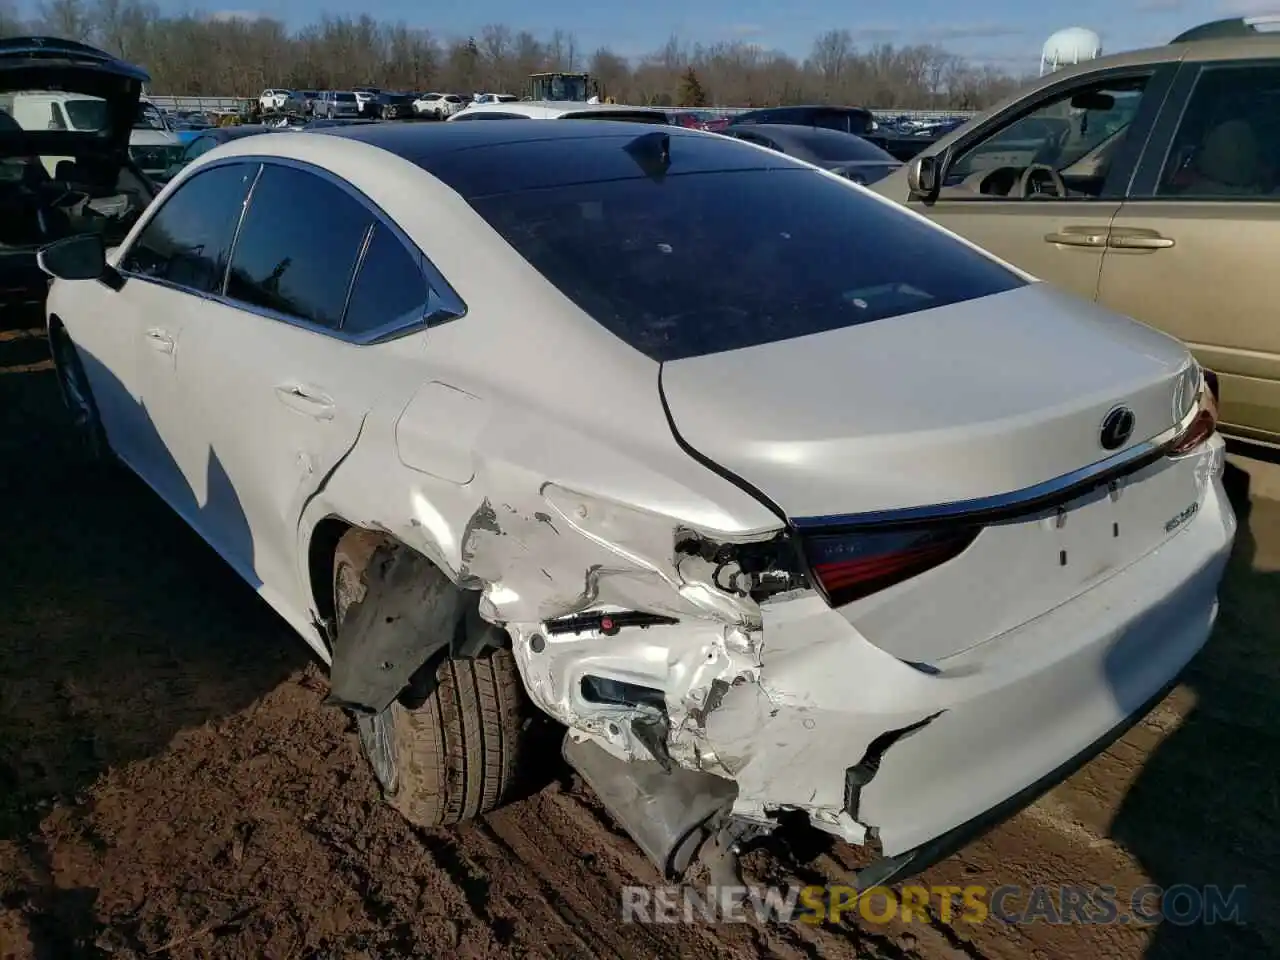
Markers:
804,713
892,869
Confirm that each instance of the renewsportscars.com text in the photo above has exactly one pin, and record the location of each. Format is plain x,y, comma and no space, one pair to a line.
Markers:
1180,905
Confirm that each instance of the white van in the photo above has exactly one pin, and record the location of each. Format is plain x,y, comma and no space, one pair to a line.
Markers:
80,113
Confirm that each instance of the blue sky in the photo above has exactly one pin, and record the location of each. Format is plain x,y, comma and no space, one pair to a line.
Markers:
1007,32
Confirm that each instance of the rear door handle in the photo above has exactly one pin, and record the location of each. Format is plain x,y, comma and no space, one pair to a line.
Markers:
1079,237
306,399
160,340
1138,239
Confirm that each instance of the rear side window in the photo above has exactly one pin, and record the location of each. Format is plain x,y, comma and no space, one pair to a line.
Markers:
188,240
701,263
297,264
389,290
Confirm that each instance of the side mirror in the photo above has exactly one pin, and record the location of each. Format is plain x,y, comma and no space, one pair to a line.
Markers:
82,257
924,177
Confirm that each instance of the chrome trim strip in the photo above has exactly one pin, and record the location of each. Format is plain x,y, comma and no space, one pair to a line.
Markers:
442,305
1006,506
235,234
355,274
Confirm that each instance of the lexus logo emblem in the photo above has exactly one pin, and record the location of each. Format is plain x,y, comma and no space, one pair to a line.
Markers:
1117,428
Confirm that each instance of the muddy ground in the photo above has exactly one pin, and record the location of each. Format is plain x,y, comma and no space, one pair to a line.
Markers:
171,786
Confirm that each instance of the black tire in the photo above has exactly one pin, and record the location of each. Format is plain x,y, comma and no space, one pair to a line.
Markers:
455,753
78,396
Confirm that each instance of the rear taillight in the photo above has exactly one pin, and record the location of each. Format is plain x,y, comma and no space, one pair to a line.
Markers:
850,566
1204,421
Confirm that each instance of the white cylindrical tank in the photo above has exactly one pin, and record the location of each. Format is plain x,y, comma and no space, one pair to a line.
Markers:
1069,46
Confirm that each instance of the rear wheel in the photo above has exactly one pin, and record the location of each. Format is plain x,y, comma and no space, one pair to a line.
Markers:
449,750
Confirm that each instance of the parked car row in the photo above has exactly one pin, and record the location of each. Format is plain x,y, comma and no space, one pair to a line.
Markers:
364,102
848,494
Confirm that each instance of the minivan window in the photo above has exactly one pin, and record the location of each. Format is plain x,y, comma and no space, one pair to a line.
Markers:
188,240
298,266
701,263
345,97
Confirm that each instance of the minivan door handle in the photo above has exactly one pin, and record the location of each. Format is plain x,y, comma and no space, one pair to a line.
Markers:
1138,238
1079,237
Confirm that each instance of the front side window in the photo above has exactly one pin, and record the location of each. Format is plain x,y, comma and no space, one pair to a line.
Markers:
1077,135
699,263
1228,141
299,266
389,290
188,240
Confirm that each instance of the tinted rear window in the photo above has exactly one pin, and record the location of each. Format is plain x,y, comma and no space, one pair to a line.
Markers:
345,97
832,146
701,263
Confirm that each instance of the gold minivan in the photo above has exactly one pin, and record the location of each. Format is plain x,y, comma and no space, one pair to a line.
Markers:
1148,181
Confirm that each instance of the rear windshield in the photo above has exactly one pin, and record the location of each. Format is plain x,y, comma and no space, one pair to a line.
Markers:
843,146
699,263
346,97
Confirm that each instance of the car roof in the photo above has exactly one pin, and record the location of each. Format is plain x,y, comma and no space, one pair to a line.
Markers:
807,107
796,130
478,159
555,108
1215,48
808,137
414,140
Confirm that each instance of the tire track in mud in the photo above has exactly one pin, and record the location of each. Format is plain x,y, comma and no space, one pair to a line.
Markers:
583,819
515,915
935,936
558,866
579,820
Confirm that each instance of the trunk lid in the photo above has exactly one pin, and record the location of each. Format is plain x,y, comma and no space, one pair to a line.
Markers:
967,403
40,76
971,400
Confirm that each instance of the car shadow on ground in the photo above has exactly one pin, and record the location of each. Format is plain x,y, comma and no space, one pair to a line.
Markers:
119,628
1203,816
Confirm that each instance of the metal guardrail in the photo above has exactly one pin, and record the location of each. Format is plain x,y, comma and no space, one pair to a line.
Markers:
203,104
235,104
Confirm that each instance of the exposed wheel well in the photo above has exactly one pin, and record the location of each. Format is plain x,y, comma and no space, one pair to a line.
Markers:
324,543
321,554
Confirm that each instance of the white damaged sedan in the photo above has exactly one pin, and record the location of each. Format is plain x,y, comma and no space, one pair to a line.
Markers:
780,498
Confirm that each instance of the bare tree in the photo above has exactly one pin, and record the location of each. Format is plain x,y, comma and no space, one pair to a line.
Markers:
193,53
65,18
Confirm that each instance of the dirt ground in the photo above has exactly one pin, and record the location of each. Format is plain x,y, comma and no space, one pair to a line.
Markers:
170,784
